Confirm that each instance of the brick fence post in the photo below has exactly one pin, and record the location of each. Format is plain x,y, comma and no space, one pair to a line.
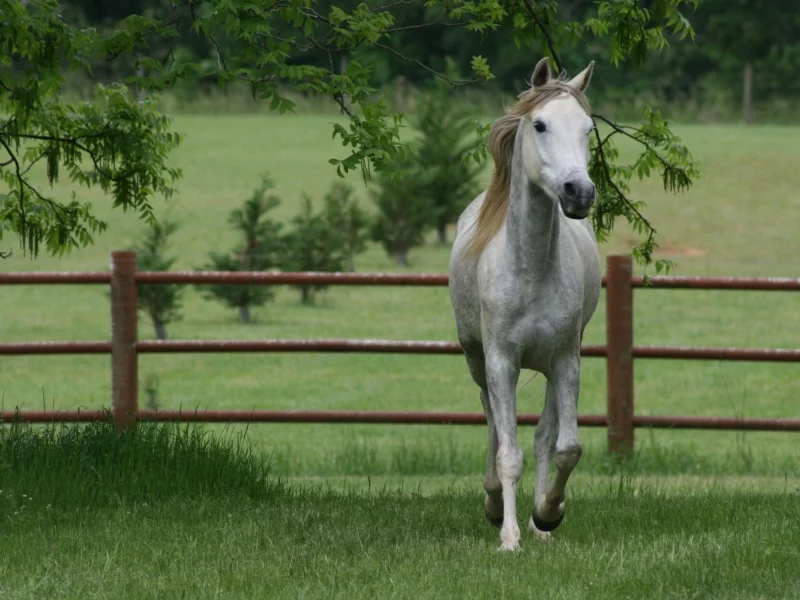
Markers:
619,362
124,376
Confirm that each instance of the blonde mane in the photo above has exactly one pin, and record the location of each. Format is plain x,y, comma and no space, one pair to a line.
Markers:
501,144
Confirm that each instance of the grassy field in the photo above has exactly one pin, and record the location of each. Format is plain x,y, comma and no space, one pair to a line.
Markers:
741,219
379,511
170,512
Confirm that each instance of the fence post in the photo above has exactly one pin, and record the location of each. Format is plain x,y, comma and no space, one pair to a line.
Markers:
619,362
124,376
400,94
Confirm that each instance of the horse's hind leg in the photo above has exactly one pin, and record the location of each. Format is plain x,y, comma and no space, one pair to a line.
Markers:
544,446
493,503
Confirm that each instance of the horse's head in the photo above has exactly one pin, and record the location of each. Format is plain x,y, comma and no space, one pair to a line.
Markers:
555,144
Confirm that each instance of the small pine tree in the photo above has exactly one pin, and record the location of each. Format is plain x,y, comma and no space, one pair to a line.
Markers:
345,217
261,250
161,302
314,244
405,213
446,180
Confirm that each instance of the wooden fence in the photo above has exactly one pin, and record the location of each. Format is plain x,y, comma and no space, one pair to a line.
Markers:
619,351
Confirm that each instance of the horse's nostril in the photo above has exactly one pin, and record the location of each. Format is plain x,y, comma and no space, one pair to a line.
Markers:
569,188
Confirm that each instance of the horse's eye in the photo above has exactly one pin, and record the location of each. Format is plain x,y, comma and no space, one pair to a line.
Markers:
539,127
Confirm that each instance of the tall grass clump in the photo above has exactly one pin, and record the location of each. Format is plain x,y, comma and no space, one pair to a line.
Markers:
65,466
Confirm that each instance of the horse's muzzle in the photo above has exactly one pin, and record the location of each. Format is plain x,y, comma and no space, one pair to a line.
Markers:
577,198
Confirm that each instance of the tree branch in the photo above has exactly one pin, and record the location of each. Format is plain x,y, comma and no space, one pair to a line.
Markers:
221,60
338,97
392,5
622,129
33,163
141,37
19,175
54,206
455,83
79,146
620,196
547,37
313,14
440,23
292,42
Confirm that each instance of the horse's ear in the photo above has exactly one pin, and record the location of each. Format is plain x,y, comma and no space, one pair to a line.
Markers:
541,74
581,81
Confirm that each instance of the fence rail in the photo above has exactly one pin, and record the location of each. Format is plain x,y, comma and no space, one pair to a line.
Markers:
619,350
392,418
381,279
379,347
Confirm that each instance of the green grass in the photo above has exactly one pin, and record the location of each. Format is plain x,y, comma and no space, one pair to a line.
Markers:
172,512
68,466
741,219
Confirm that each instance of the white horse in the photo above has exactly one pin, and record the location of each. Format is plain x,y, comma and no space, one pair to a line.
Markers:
524,282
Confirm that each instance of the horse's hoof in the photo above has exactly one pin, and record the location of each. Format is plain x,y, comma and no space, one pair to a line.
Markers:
509,547
490,508
495,521
542,535
545,525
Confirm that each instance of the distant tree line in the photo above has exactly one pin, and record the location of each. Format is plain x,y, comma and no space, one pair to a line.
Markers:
737,43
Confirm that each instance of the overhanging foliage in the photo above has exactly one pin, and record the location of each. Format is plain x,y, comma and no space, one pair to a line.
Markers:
122,145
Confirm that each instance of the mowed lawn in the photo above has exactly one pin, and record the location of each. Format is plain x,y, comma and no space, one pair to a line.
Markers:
172,513
741,219
300,543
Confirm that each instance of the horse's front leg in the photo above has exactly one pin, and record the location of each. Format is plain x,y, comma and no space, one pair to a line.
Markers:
549,505
502,373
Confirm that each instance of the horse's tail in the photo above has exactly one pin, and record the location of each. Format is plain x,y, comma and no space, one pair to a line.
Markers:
535,373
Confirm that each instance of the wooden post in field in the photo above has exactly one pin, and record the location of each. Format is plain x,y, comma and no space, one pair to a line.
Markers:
141,93
124,376
619,361
342,69
400,94
747,100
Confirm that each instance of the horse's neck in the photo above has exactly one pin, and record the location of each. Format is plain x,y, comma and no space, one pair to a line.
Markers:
532,225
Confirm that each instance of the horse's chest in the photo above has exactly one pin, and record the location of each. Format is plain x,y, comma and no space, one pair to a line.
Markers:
541,330
546,324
